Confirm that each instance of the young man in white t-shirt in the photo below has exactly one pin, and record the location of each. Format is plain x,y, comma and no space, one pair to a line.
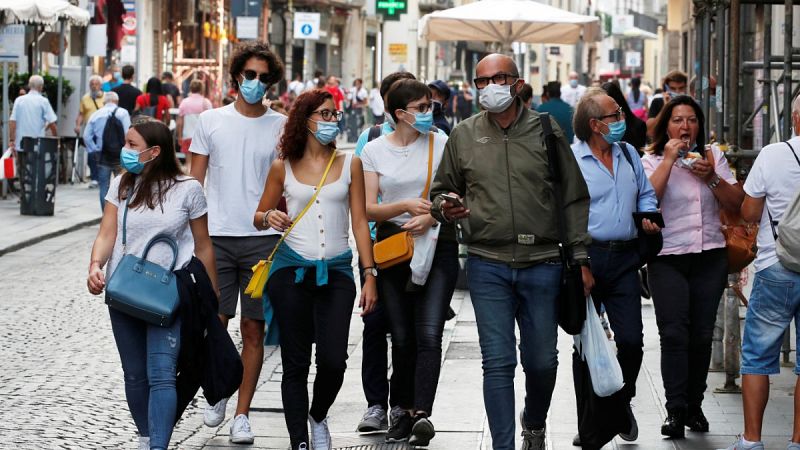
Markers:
233,149
771,185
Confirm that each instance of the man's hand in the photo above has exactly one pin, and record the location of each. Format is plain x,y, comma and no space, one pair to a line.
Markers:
451,211
588,280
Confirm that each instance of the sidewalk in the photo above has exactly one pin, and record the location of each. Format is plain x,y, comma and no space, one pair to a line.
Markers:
459,414
76,206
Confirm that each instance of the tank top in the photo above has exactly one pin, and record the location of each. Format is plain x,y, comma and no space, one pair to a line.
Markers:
323,231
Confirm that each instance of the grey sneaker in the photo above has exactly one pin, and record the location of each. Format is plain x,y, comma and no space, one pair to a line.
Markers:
531,439
374,420
739,445
320,434
793,446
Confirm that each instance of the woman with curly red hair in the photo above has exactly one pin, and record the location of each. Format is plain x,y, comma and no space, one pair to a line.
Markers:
311,285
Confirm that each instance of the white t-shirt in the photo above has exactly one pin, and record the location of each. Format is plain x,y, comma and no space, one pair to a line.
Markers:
571,95
240,151
402,171
375,102
297,87
776,176
183,202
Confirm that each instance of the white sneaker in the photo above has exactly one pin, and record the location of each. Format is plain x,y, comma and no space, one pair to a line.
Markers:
215,414
240,430
320,434
144,443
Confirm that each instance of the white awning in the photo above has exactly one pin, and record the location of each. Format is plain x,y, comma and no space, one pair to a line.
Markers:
41,12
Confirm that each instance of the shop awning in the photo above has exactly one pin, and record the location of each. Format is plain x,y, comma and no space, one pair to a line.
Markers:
41,12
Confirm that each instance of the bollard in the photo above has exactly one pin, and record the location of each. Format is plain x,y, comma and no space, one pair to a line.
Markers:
717,349
732,338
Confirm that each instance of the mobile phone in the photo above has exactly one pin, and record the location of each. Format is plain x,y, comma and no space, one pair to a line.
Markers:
652,216
453,199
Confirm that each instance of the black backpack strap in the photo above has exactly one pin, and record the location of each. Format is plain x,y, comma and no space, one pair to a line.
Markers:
374,132
772,222
554,168
624,147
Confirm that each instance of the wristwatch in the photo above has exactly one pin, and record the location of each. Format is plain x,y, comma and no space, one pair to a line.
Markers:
371,271
714,182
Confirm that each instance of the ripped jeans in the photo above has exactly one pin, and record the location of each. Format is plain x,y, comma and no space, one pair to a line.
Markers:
149,356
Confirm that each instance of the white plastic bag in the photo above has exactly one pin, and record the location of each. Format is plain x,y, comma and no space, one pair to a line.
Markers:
599,355
424,249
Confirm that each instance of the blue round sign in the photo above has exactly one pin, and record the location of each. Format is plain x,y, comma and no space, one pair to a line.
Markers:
306,29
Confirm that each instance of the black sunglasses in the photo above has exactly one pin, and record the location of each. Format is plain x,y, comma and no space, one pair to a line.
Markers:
498,78
251,75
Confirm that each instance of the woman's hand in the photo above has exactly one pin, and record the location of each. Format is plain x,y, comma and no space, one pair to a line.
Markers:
97,279
418,206
588,280
279,220
650,227
703,169
417,226
673,147
369,296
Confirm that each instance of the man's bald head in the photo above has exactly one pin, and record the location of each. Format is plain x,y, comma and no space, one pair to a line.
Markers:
494,64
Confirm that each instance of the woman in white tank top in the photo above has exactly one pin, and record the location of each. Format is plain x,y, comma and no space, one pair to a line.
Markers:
311,285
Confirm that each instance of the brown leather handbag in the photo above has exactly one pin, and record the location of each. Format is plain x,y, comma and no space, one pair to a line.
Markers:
740,240
399,248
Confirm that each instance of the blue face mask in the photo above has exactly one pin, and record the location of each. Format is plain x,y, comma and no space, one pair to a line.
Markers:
573,83
326,132
129,160
390,120
423,122
252,90
615,131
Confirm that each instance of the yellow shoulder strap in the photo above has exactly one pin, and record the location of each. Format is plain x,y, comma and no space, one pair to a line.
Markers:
430,166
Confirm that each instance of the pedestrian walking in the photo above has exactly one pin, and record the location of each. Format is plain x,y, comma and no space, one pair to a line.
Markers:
398,167
462,106
89,104
188,114
560,110
152,197
108,151
440,94
31,115
155,102
635,128
128,93
637,100
692,182
674,85
112,78
357,101
493,163
618,187
233,148
296,86
771,187
376,104
311,287
168,87
573,91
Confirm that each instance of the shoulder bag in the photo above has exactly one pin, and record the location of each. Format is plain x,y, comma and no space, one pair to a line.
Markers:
255,288
571,301
141,288
399,247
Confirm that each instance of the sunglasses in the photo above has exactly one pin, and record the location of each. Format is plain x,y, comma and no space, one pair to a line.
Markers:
498,78
251,75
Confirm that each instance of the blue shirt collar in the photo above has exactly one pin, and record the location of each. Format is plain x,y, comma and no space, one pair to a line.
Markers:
583,150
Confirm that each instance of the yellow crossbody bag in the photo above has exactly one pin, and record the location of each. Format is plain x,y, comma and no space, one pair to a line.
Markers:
255,288
399,247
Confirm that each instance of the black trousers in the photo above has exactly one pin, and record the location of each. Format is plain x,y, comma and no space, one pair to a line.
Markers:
308,313
686,291
416,320
374,359
617,287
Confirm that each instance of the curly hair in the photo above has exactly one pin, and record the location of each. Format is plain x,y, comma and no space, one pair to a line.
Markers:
255,49
292,145
660,136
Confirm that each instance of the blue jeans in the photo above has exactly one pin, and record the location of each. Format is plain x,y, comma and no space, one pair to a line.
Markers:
774,302
93,159
149,356
104,174
501,296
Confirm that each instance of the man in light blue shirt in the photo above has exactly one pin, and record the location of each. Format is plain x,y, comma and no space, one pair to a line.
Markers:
93,137
31,115
618,187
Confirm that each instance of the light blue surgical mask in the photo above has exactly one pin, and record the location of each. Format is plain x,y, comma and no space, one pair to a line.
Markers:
423,122
573,83
390,120
252,90
129,160
616,130
326,132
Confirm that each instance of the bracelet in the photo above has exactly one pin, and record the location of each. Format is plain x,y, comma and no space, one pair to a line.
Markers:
264,218
715,182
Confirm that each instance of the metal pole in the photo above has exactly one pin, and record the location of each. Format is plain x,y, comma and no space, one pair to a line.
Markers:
766,135
732,338
60,69
733,80
5,104
787,70
722,30
705,68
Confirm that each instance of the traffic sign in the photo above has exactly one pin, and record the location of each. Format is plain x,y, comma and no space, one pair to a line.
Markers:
306,26
12,42
633,60
391,9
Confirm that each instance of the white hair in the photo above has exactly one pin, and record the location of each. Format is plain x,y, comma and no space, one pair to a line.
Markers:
36,82
97,78
111,97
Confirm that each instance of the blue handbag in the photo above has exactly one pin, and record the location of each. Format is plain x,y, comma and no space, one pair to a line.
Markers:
141,288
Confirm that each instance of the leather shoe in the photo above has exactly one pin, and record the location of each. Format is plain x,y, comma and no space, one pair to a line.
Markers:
674,424
696,420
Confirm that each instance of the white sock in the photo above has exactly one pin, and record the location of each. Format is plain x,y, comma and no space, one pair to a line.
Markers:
747,443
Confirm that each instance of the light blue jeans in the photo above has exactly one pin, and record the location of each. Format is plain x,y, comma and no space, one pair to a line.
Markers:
503,297
149,356
104,174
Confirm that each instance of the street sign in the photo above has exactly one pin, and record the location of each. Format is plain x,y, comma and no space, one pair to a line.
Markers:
247,27
391,9
306,26
555,50
621,24
398,53
12,42
633,60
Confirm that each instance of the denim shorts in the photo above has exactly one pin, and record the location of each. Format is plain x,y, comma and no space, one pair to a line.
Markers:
774,302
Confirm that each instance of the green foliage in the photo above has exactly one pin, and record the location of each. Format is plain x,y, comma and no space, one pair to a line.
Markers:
19,81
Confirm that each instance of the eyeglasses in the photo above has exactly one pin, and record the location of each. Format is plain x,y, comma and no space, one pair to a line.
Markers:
678,120
498,78
617,115
422,107
251,75
327,114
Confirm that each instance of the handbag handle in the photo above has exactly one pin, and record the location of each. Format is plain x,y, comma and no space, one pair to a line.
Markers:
161,237
426,191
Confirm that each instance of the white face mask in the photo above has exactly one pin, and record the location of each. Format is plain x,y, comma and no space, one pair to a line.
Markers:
496,98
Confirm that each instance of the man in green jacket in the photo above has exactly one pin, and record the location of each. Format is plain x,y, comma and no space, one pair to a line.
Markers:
496,164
